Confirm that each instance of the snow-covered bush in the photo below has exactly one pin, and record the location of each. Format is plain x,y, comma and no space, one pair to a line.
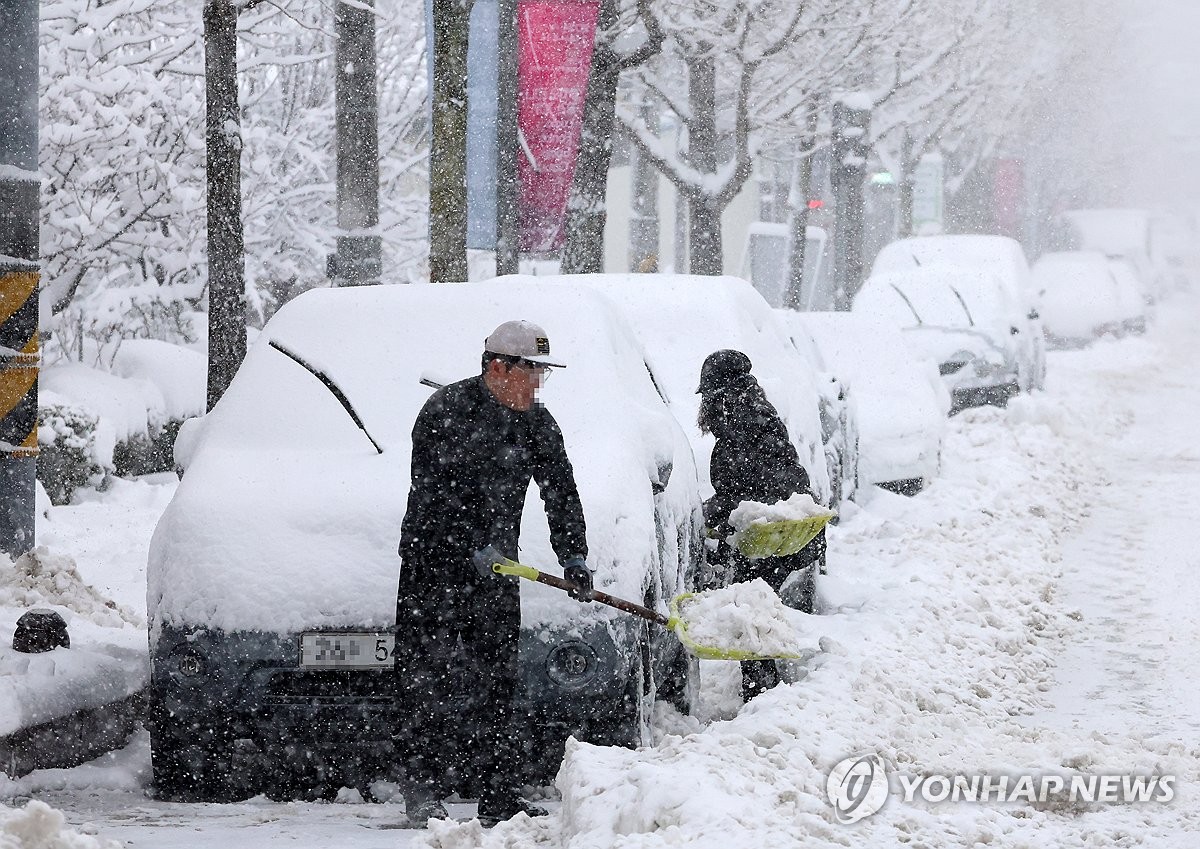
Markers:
67,451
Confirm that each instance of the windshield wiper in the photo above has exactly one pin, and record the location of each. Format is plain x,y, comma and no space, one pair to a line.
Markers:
904,297
966,309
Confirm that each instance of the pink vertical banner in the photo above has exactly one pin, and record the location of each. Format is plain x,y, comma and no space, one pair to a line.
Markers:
556,39
1008,196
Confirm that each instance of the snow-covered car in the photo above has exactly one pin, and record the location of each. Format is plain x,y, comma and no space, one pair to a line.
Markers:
1130,295
273,572
1118,233
976,359
1084,295
839,416
681,319
1000,257
900,402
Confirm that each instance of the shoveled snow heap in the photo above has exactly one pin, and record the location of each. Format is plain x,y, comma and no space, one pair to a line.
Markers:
39,826
744,617
800,506
41,578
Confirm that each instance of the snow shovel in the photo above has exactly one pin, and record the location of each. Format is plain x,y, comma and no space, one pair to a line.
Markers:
675,622
779,538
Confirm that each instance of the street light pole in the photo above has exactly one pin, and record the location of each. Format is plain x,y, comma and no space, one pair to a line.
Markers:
19,273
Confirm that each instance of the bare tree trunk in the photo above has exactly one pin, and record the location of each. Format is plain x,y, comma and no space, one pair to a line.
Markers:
704,213
904,189
801,190
448,150
586,214
223,173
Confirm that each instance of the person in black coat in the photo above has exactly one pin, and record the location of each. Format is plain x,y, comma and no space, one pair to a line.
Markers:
753,460
476,445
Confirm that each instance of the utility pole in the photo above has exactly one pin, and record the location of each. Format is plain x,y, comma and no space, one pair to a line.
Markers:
19,273
851,147
507,143
359,257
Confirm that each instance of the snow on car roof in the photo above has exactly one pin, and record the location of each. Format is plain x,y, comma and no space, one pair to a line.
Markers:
680,319
286,517
1001,255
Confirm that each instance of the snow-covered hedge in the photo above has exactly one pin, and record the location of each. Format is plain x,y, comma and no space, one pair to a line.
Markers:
94,423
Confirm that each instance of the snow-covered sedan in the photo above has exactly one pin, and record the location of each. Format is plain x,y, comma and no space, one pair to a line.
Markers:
1084,295
991,258
273,571
972,346
899,399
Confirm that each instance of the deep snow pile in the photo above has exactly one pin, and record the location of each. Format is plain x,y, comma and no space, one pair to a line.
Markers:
38,826
943,626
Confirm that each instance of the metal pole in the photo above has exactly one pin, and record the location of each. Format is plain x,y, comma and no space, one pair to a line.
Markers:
359,258
19,273
508,258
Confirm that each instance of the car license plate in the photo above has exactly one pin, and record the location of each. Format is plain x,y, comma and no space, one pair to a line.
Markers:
345,650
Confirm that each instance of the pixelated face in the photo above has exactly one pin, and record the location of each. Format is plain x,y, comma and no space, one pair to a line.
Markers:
515,385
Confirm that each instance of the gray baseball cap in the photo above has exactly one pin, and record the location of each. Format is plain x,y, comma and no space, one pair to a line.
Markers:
522,339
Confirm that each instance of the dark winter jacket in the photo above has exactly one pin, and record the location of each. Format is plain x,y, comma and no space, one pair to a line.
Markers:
472,461
753,458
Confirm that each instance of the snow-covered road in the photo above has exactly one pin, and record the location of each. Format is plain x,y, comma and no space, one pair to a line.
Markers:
1132,664
1036,610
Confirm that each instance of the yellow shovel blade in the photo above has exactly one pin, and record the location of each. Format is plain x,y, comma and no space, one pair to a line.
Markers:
678,623
779,539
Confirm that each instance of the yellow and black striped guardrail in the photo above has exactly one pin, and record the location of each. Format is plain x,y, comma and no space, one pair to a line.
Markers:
19,360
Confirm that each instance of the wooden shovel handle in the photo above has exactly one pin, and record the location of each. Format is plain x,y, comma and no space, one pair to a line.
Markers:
594,595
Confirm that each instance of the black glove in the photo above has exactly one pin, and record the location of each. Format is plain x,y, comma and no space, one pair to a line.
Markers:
576,571
484,558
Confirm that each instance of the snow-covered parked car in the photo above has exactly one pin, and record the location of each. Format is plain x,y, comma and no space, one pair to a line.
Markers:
995,257
976,358
273,572
681,319
1119,233
1084,295
900,402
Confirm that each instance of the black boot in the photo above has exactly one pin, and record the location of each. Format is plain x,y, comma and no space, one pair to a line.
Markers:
493,810
758,676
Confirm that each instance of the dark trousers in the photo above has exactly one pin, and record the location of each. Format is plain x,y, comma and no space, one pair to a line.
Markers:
456,665
758,676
